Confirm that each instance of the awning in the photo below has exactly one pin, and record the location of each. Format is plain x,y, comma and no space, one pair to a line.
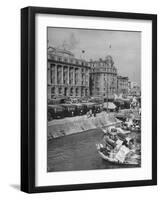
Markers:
111,106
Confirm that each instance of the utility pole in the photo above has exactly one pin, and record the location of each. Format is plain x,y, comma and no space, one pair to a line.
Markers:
107,93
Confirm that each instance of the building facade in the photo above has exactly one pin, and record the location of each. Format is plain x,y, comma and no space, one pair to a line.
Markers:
135,91
133,84
122,85
103,78
67,76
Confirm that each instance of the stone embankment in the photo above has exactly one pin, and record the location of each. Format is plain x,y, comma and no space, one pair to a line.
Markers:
72,125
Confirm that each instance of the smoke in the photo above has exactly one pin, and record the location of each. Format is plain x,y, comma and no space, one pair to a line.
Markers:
71,42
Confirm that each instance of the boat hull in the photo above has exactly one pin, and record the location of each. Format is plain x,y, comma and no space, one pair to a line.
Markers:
112,160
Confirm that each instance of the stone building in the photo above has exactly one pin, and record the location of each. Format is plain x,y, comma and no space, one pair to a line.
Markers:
103,78
67,75
133,84
135,91
122,85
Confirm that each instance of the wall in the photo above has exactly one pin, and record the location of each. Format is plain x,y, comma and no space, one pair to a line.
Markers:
10,99
74,125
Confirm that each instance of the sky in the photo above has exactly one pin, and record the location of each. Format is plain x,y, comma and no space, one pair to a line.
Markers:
123,46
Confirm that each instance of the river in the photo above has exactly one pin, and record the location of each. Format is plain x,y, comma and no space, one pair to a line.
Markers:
78,152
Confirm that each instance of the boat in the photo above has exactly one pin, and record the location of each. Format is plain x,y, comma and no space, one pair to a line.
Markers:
132,127
133,160
122,131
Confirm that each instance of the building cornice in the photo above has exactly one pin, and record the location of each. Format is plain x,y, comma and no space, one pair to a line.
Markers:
68,63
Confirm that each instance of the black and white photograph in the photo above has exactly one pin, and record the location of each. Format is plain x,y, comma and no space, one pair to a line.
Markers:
89,99
93,99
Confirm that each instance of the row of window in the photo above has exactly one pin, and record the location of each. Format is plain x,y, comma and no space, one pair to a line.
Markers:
69,60
69,91
65,71
123,84
104,70
65,78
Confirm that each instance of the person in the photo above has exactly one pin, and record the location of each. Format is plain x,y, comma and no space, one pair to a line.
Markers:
117,109
90,112
140,111
124,125
125,143
113,134
94,112
81,112
109,142
129,123
131,144
72,113
110,137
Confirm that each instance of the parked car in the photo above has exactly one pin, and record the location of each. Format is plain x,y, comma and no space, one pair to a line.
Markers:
69,110
55,112
98,107
80,109
120,104
89,106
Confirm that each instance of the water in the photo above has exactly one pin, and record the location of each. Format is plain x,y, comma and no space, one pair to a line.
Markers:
78,152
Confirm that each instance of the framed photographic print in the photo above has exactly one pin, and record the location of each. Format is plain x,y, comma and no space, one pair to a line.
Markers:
88,99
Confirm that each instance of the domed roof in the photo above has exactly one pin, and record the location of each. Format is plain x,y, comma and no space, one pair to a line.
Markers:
109,60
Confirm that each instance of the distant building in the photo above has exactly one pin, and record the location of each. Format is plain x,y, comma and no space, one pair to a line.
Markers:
72,77
133,84
129,86
135,91
122,85
67,76
103,78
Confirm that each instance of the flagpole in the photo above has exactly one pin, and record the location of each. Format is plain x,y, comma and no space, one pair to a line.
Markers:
82,52
107,81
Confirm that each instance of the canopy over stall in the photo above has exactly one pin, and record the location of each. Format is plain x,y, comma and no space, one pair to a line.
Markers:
109,105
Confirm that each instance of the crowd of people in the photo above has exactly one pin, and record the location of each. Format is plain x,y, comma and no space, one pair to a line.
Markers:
91,113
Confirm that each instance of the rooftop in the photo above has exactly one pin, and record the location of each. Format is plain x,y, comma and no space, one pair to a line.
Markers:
62,52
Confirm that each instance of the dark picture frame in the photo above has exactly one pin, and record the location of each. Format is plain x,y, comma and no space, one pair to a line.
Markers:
28,91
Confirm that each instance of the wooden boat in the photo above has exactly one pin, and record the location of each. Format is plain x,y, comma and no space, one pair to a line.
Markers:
133,160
